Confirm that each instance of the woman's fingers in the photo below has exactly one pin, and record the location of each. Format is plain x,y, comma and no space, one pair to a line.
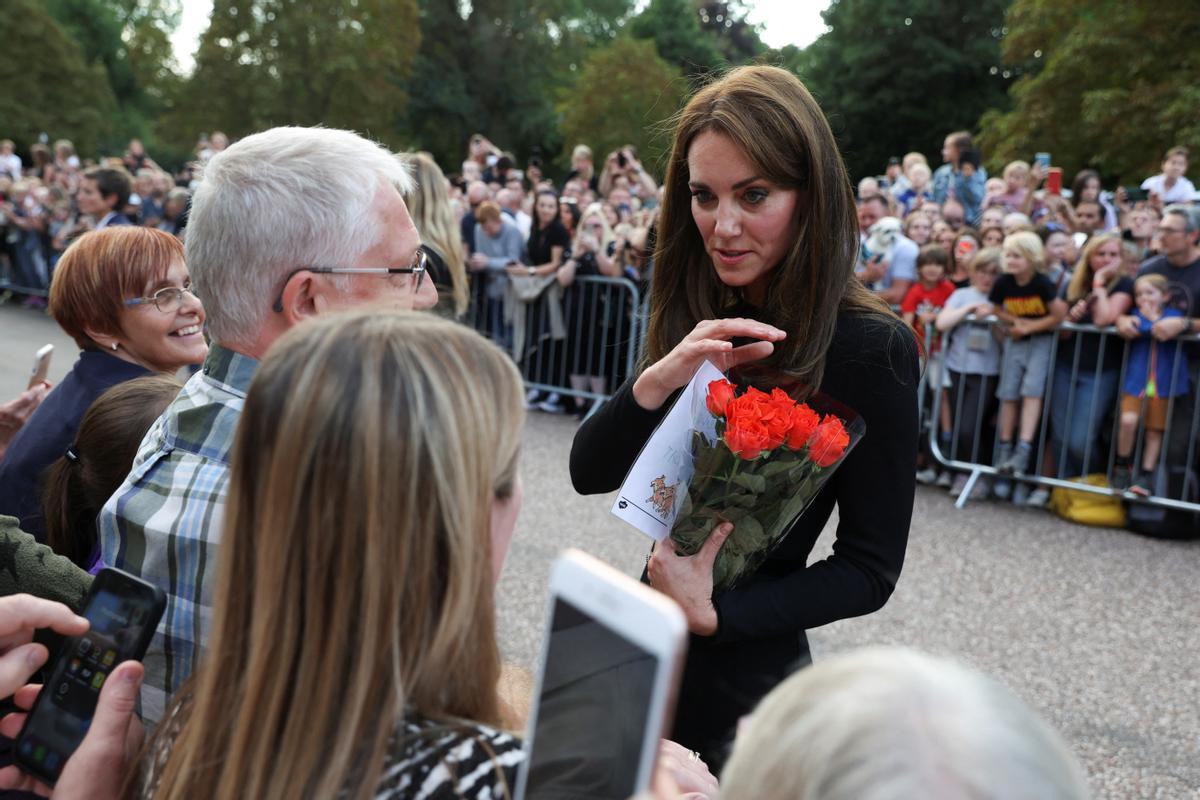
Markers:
737,327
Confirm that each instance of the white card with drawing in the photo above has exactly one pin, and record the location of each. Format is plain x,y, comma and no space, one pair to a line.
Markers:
650,496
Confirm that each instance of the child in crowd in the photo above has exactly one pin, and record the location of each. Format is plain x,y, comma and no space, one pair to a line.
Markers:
918,190
927,296
1012,198
1156,372
972,364
1026,302
1060,255
992,236
966,245
920,308
1171,186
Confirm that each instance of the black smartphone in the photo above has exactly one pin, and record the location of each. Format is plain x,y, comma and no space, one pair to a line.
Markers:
123,612
1136,194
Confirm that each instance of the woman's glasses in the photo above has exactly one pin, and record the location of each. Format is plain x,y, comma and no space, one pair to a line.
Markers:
167,300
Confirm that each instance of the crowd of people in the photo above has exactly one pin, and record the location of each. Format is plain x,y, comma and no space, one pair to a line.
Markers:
987,270
329,498
53,197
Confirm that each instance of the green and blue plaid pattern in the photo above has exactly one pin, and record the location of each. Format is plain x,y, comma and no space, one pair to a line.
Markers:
164,523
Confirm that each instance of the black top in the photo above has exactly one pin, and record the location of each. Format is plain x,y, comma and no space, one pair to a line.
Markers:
541,241
1030,301
49,432
872,367
1094,348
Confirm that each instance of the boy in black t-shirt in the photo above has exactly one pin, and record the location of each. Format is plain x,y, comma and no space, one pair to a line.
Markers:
1026,303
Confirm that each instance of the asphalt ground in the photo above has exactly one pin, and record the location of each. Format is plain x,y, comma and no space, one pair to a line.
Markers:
1096,629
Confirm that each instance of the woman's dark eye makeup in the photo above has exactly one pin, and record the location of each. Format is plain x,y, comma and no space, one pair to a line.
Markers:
752,195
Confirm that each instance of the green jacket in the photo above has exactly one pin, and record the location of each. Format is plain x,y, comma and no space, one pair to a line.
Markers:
32,568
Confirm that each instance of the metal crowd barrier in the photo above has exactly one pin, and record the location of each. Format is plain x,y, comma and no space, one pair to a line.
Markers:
1075,395
581,341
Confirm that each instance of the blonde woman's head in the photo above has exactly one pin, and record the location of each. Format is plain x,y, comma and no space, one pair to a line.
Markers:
358,557
889,722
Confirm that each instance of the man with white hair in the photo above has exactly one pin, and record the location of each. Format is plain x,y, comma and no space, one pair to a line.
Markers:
286,225
509,201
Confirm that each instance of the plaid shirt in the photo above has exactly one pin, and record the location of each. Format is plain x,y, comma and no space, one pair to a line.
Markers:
164,523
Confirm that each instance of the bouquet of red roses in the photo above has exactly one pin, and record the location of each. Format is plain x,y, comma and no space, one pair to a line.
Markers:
766,459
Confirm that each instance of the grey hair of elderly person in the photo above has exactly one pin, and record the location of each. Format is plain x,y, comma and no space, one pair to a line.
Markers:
894,724
278,201
1189,214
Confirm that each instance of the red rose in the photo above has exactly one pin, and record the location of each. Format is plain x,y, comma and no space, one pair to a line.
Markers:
802,422
719,394
746,438
828,442
763,410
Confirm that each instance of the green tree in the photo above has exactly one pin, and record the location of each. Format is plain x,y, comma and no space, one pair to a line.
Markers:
273,62
624,95
130,41
49,85
736,37
1108,85
674,26
498,69
898,75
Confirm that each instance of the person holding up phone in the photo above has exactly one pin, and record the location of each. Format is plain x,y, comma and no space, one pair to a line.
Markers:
97,769
756,264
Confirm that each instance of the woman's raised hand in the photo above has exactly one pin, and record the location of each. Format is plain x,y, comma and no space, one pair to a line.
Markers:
709,340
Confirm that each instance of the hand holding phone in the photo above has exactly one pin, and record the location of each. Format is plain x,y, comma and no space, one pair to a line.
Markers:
606,688
122,612
99,768
41,365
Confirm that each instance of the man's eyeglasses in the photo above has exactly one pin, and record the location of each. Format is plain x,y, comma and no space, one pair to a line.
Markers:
167,299
417,271
1165,229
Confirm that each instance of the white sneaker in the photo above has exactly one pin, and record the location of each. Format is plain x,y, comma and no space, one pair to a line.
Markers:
944,479
531,398
927,476
1038,498
960,483
552,404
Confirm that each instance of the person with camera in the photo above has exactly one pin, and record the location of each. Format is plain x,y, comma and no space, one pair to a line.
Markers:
962,176
625,162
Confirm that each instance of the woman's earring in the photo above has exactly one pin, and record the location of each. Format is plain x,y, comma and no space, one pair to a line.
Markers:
114,345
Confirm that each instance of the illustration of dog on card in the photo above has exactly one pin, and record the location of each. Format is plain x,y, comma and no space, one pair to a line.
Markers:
662,496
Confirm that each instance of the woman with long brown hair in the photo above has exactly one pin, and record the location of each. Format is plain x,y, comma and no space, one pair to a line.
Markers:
353,654
755,263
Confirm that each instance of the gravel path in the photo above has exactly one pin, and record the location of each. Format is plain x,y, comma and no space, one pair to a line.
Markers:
1094,628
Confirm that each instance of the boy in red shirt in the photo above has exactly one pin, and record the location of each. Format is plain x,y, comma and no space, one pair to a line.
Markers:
927,296
920,308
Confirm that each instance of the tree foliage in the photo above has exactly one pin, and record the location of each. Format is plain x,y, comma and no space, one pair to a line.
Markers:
674,26
130,41
50,86
624,95
1113,85
898,75
273,62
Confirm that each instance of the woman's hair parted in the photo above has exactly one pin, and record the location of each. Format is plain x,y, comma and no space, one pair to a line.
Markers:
1082,277
429,205
775,121
100,271
355,581
74,490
